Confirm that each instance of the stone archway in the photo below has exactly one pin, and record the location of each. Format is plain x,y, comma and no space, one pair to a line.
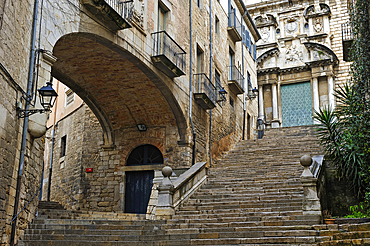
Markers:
118,87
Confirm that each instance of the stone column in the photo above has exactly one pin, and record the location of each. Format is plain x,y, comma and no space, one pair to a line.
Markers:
331,92
310,27
260,102
311,203
315,91
275,117
164,210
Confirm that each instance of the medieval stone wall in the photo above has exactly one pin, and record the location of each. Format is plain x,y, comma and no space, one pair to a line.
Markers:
15,34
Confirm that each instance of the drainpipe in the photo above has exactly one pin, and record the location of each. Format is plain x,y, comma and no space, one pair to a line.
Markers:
25,123
191,85
210,76
52,146
244,109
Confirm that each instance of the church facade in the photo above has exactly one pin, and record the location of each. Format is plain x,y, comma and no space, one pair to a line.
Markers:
300,58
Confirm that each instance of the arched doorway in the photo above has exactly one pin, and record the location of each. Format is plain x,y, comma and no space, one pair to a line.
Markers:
139,183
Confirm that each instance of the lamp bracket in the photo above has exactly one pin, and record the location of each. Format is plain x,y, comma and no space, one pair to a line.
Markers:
22,113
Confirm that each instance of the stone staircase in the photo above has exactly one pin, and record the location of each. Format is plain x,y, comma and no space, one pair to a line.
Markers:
253,197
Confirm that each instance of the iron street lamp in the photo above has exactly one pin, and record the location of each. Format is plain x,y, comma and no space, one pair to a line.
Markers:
222,92
252,93
47,99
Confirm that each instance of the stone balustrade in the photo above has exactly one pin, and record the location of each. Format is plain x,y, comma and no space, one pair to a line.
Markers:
172,194
312,166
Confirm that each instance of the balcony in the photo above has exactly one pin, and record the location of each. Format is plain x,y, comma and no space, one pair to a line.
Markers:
168,56
235,28
205,92
347,40
236,82
114,14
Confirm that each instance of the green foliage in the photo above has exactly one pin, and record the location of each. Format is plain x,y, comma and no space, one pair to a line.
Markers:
359,211
345,132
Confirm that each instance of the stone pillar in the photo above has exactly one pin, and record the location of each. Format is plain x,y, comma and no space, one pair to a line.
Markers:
260,102
311,203
315,91
164,210
275,117
310,27
331,92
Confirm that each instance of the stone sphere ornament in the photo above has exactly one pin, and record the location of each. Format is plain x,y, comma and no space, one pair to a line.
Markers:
167,171
306,160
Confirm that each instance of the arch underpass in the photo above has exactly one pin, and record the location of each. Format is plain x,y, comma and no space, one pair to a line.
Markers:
117,86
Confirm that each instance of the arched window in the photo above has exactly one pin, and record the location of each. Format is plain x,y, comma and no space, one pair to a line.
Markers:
145,155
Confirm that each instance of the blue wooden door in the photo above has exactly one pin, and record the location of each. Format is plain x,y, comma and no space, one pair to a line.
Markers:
138,188
139,183
296,104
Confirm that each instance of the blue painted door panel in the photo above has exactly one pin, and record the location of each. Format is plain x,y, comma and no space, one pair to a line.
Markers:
296,103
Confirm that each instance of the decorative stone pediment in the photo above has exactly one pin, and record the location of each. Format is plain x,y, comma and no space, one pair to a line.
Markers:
293,55
270,53
316,10
319,52
265,21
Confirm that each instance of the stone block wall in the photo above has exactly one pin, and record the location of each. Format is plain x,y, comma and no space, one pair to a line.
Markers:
15,34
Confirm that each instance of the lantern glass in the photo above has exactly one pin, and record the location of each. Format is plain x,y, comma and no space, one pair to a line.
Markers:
47,96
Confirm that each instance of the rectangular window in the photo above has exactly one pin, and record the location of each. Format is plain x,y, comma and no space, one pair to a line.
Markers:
162,14
231,101
218,80
63,146
70,97
217,26
200,58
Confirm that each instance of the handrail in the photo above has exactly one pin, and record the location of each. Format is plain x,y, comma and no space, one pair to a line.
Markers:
204,85
67,193
172,194
15,217
316,166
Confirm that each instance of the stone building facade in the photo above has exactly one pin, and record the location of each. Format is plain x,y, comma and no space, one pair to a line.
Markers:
136,102
21,141
133,79
300,58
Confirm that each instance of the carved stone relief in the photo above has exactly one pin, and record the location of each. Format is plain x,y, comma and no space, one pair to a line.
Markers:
291,27
319,55
138,8
317,26
293,55
265,20
265,34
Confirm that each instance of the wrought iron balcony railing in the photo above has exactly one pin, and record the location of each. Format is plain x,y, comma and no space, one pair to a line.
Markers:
115,14
205,92
347,33
122,7
235,27
236,80
167,52
347,40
